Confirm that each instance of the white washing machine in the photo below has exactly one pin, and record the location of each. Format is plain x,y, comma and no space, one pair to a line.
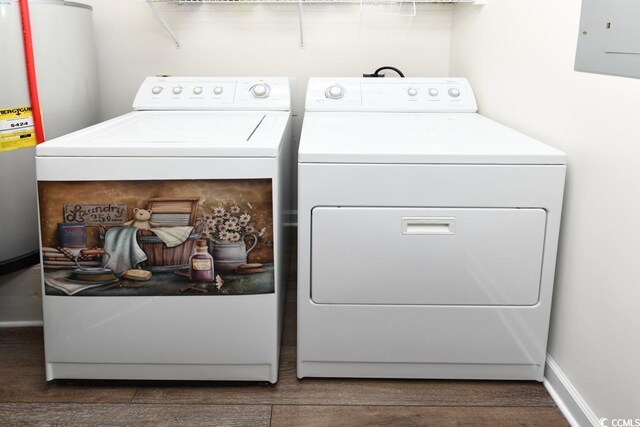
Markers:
162,240
427,235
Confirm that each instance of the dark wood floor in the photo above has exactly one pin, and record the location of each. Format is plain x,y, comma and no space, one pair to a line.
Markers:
27,399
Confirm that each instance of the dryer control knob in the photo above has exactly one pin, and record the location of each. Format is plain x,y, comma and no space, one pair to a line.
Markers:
454,93
412,91
177,90
261,90
433,91
218,90
197,90
156,90
334,92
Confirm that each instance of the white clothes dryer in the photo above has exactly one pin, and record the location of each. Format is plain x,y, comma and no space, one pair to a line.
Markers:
163,246
427,234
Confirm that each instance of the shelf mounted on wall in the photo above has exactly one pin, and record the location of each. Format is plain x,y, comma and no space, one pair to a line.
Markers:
165,25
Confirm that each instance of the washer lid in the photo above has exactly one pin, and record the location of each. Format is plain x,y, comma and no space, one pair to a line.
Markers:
429,138
176,134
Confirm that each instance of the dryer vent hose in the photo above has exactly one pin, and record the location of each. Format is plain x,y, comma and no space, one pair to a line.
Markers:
377,73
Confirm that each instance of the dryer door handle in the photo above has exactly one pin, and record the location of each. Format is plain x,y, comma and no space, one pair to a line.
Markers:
428,225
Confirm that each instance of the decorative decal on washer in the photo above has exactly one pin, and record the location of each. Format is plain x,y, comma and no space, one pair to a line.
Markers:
16,128
156,238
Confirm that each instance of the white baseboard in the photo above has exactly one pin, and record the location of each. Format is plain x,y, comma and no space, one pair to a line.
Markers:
569,401
21,324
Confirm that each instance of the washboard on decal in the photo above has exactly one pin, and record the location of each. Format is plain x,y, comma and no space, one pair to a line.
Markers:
173,212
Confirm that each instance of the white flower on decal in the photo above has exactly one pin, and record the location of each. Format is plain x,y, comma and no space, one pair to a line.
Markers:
219,282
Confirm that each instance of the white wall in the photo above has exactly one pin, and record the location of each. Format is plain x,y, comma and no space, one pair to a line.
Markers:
519,58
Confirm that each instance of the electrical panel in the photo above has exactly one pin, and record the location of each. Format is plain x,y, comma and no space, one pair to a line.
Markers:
609,38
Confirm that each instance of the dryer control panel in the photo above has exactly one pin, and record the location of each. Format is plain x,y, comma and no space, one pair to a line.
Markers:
214,93
429,95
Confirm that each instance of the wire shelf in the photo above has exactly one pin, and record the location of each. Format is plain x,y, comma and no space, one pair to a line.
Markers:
196,2
397,8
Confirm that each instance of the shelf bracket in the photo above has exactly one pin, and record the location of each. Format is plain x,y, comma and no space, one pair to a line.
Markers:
160,19
300,23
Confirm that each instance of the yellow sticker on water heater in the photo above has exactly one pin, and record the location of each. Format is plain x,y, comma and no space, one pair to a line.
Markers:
16,128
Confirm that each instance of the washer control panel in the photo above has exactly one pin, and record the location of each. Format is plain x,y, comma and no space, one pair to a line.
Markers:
213,93
430,95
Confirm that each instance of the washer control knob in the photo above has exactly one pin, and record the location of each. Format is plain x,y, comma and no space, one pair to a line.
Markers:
260,90
433,91
334,92
156,90
454,93
177,90
218,90
412,91
197,90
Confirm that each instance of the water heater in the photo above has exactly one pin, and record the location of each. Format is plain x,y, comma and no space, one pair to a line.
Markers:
66,70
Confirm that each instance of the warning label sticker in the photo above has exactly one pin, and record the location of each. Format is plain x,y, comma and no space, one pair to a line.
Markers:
16,128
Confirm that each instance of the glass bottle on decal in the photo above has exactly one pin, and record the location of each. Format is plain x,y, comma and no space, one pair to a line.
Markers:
201,263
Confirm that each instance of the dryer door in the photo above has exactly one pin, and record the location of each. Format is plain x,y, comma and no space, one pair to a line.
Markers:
380,255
